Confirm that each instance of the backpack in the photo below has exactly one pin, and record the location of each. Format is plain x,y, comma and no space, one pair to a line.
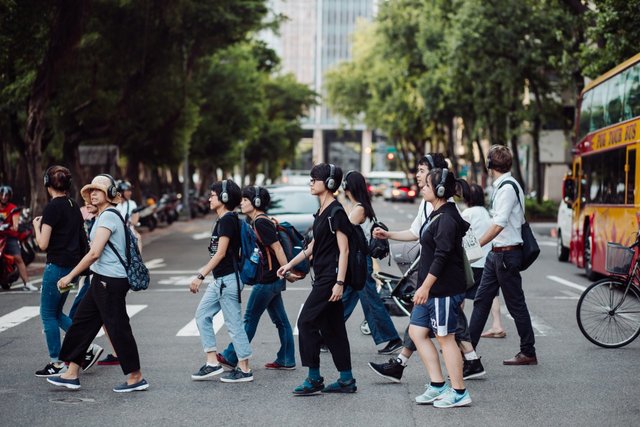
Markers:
378,248
251,266
357,270
137,272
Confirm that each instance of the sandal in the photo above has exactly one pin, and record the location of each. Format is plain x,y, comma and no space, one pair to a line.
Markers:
309,387
494,334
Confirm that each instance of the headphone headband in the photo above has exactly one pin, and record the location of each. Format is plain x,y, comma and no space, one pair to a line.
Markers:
257,202
112,191
344,180
440,188
432,164
224,196
330,182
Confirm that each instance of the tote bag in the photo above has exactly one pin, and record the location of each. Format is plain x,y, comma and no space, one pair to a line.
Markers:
472,247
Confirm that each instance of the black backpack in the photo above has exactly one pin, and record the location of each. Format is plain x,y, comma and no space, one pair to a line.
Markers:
357,271
378,248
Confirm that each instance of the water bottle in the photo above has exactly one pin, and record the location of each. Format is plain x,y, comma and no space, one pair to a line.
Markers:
255,256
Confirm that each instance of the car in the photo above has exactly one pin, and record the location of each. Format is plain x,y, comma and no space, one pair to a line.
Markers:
379,181
400,191
293,204
563,230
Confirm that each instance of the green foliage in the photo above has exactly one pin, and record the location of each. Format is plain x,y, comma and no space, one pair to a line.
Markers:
546,210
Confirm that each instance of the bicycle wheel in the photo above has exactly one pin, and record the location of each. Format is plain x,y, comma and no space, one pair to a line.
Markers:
607,317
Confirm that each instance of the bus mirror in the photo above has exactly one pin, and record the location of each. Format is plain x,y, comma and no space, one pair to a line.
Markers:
569,191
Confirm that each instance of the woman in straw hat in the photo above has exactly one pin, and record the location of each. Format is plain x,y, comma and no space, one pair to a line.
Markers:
104,302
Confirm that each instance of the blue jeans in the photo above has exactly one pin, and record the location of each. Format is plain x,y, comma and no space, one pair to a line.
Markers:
222,294
81,293
380,323
51,304
268,297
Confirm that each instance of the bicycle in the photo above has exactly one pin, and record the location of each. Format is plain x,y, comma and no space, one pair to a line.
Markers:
608,311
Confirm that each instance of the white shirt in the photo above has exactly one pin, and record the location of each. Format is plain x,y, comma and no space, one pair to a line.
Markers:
424,211
507,211
126,209
480,220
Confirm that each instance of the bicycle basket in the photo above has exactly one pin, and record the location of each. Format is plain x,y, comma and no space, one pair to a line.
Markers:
618,258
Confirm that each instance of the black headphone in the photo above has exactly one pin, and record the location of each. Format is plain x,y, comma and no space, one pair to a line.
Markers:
432,165
112,190
47,179
440,188
257,202
490,164
224,196
344,180
330,182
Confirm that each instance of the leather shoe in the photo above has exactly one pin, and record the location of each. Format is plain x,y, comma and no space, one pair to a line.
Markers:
521,359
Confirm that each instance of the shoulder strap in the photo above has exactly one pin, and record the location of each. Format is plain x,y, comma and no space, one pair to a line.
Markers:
126,241
332,213
515,187
428,222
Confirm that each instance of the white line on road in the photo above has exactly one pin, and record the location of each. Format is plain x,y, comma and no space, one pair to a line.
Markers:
547,243
567,283
295,330
191,329
18,316
132,310
201,236
155,263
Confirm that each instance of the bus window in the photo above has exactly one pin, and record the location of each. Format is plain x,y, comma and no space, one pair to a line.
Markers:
605,177
631,177
615,95
632,89
597,107
585,113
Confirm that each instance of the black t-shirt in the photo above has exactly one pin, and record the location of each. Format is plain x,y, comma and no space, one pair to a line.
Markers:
228,226
267,235
325,246
67,244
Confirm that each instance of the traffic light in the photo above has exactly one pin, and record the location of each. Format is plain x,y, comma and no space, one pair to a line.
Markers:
390,156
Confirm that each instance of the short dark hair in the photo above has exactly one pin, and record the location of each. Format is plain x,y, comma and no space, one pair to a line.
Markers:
233,190
321,172
499,158
476,195
439,161
249,192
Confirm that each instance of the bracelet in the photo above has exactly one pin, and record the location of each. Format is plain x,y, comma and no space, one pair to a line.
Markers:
200,276
340,282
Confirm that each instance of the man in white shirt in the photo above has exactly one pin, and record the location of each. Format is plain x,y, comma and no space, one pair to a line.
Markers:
127,209
502,267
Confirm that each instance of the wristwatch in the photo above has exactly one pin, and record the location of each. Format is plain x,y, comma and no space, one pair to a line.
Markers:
200,276
340,282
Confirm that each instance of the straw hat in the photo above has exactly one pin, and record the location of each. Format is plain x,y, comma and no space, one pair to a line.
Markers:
106,185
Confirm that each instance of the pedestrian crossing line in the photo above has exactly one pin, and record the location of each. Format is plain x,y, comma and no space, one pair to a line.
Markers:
132,310
191,329
567,283
18,316
295,330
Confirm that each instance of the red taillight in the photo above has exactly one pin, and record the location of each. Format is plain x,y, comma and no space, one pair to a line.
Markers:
411,193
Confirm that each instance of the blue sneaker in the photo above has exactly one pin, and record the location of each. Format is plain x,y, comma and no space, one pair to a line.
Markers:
73,384
431,394
452,398
127,388
206,372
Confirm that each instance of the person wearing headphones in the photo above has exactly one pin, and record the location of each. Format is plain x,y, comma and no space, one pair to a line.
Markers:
9,214
60,233
321,319
441,290
105,301
127,209
224,292
267,295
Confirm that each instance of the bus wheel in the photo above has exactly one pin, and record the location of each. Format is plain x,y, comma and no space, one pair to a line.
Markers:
588,260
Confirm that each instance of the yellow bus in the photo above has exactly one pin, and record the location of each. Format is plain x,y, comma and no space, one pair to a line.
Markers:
601,188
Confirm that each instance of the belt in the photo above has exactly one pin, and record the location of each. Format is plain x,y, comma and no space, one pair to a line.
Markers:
506,248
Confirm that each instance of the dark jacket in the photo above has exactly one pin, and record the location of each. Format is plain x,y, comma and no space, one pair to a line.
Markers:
441,251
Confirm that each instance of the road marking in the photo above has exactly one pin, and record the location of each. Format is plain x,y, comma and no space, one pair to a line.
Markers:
547,243
567,283
201,236
295,330
132,310
155,263
410,216
18,316
541,329
191,329
179,281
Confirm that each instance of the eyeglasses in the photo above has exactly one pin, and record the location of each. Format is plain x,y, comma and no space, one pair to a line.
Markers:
313,181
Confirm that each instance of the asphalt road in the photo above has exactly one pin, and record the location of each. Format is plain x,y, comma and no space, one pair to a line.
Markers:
575,383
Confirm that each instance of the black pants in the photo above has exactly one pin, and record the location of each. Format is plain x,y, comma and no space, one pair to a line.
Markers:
323,321
462,330
104,304
502,271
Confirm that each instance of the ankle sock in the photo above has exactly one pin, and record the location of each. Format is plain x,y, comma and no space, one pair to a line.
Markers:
402,359
437,385
470,356
314,373
460,391
346,375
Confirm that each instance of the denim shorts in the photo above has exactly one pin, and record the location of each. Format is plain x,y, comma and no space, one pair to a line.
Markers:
440,314
12,247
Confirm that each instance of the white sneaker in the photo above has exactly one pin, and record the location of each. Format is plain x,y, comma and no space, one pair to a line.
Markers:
30,288
91,356
432,394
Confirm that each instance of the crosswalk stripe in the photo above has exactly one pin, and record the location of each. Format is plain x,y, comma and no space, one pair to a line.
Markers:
132,310
191,329
567,283
295,330
18,316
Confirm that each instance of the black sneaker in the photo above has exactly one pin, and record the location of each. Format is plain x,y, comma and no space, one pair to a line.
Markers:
391,347
207,371
237,376
51,370
472,369
392,370
91,356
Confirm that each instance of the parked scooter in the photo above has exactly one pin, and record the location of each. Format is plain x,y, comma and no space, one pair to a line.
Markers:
8,267
26,237
147,216
166,210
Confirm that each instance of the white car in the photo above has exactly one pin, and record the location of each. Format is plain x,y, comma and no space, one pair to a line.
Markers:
563,229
